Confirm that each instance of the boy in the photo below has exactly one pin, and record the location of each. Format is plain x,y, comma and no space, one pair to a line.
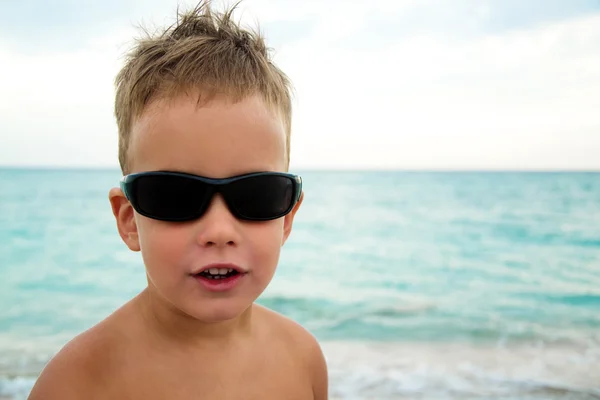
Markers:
204,141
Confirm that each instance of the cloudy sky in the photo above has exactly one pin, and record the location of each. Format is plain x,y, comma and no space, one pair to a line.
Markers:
435,84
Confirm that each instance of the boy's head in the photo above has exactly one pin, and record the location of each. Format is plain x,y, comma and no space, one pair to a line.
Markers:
200,102
204,54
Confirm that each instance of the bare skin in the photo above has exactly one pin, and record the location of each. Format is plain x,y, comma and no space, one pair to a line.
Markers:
126,357
177,340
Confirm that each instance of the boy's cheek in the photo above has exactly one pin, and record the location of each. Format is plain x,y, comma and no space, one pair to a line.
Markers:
156,239
163,253
165,244
266,246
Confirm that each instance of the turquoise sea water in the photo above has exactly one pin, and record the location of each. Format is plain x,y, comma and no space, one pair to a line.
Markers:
419,285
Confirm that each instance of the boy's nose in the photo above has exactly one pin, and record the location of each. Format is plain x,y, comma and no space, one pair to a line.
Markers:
218,227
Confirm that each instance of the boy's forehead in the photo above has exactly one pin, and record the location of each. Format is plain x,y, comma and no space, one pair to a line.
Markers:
218,138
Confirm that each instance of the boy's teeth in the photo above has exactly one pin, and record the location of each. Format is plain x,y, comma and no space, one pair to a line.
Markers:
219,271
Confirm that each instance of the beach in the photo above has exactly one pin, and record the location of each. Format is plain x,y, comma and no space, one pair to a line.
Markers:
375,370
419,285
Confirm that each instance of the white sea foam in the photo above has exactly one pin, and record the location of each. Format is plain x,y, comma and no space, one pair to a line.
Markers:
386,371
16,388
444,371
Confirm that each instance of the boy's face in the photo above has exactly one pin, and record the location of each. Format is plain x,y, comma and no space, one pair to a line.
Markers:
217,140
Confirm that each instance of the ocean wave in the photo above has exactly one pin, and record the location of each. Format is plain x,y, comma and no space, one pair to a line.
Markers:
432,371
422,319
386,371
15,388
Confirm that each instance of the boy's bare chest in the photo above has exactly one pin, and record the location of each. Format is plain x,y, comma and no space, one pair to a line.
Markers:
236,388
232,379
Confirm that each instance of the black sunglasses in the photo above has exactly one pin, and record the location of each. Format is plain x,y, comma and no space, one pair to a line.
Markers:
175,196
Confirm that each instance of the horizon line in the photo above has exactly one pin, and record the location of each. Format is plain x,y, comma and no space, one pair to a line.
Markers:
330,169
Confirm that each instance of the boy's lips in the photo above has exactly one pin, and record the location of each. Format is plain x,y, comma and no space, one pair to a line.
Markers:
207,267
219,277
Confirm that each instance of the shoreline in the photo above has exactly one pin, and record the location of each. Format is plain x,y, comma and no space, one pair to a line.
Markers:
389,370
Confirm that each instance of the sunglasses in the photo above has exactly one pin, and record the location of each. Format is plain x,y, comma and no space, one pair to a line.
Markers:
178,197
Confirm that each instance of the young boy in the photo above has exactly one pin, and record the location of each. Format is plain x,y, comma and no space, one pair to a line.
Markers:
204,122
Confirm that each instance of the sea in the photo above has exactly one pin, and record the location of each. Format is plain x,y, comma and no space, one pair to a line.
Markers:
418,285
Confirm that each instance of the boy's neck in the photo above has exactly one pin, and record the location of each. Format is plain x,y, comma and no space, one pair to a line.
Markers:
173,326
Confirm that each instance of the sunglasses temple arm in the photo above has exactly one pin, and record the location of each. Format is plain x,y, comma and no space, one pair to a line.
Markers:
299,189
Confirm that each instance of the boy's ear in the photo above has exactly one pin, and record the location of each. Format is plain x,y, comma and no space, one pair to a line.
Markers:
289,220
123,212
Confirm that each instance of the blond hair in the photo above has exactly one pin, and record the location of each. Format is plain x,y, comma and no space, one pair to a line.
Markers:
205,52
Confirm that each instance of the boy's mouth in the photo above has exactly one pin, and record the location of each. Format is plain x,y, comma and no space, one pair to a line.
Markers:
217,273
219,277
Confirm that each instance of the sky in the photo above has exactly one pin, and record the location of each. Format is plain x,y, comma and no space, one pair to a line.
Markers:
382,84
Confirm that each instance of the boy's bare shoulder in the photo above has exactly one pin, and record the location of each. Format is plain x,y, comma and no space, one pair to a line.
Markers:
301,344
286,329
79,369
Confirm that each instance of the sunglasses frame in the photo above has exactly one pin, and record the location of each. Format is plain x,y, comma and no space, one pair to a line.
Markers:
215,185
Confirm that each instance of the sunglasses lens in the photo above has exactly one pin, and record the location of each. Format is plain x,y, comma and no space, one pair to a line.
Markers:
169,197
261,197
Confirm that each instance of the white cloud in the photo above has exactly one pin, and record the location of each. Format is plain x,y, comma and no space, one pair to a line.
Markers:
57,109
415,99
526,99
